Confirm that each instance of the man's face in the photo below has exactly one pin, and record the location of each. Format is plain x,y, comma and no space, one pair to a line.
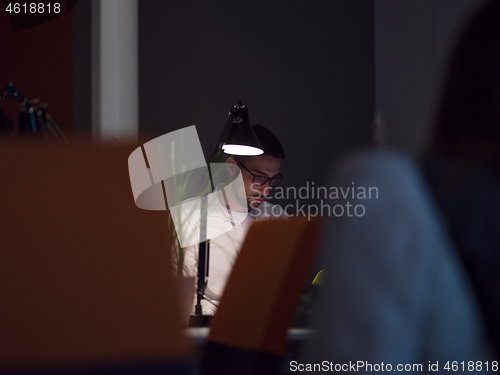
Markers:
263,166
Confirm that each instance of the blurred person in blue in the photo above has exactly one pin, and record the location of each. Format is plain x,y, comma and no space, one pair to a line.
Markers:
397,294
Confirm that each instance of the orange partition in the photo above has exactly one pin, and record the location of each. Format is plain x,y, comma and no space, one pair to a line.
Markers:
84,274
264,287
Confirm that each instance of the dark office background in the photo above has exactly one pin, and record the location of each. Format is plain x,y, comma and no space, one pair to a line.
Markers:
305,71
315,72
39,62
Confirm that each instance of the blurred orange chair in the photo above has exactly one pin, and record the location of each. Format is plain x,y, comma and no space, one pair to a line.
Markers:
248,334
85,284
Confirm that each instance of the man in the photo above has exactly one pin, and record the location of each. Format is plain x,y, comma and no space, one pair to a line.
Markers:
231,210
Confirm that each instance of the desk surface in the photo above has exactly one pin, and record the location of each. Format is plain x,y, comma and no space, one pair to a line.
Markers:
198,335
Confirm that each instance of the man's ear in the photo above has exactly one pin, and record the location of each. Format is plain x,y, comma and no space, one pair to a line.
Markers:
232,167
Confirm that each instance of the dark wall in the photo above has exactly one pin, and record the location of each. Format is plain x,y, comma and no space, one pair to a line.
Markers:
82,67
413,39
39,62
304,69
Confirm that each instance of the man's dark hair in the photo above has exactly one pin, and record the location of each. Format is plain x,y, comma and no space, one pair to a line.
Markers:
269,142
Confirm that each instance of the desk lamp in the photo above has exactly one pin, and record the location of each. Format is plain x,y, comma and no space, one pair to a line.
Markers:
237,138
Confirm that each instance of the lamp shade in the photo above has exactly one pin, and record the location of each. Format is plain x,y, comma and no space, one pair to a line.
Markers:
241,139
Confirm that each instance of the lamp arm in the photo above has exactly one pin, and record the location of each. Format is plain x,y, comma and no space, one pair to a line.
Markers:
217,153
204,245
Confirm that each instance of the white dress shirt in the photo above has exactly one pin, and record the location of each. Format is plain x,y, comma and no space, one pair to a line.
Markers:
227,230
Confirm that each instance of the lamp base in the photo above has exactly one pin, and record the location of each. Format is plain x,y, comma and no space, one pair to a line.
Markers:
200,320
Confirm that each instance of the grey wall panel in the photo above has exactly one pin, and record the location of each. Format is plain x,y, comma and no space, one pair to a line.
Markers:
304,69
413,39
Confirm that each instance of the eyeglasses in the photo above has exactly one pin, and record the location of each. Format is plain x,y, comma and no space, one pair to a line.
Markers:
262,180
